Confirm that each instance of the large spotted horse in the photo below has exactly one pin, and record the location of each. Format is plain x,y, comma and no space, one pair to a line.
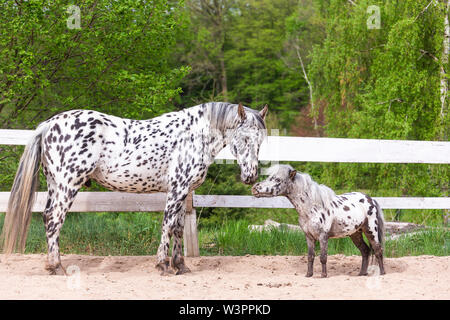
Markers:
170,153
322,214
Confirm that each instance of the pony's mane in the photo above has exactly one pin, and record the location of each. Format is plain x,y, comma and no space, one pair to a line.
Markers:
224,115
319,194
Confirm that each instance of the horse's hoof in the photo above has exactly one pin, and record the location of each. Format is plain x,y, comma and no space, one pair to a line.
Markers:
309,275
363,274
182,269
56,270
323,275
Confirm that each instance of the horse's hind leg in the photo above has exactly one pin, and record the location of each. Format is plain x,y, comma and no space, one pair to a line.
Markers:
358,240
60,198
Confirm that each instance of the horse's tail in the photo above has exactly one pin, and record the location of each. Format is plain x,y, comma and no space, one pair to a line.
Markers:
23,194
380,220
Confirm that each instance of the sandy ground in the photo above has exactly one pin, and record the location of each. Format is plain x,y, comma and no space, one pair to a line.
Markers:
248,277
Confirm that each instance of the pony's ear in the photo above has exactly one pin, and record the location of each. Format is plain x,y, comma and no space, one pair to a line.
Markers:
241,111
263,112
292,174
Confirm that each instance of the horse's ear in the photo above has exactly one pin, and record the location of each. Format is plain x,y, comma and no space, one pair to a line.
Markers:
263,112
241,111
292,174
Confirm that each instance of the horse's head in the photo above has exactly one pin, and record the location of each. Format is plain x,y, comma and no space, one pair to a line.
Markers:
277,184
246,139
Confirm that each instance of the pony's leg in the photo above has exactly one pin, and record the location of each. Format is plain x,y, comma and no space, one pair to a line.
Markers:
311,253
378,249
358,240
58,203
323,240
372,235
173,215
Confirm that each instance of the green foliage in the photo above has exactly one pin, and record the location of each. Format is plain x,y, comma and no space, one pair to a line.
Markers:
236,52
117,62
384,84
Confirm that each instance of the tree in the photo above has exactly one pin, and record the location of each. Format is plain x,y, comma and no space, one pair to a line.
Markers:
386,84
236,54
115,62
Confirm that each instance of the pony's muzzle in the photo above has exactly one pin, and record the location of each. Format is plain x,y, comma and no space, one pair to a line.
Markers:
255,190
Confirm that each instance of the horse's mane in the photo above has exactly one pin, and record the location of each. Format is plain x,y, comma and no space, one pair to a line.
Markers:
224,115
319,194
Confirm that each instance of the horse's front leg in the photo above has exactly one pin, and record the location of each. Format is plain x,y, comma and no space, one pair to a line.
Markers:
177,254
173,224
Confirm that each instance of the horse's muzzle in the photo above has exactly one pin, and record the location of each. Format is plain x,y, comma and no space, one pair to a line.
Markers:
249,179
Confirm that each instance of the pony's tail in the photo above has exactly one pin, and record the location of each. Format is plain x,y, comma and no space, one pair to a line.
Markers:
22,197
381,226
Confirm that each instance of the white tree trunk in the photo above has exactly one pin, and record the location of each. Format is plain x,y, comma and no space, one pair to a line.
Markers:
444,62
297,49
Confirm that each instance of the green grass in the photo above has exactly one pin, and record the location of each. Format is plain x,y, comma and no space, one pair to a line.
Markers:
234,238
109,233
138,233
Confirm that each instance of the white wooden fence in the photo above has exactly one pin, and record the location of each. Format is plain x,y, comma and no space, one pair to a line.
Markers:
275,148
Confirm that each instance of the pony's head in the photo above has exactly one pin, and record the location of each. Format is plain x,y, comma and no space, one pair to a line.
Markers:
246,139
279,182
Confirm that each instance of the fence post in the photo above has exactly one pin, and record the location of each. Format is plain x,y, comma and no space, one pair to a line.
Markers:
190,229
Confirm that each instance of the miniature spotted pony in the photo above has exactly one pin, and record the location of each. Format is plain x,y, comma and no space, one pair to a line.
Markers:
170,153
322,214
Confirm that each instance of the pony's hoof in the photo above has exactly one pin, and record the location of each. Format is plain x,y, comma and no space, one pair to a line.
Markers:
56,270
323,275
182,269
164,268
309,275
362,274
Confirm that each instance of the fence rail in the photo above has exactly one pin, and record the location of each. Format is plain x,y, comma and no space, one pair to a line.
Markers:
119,201
278,148
275,148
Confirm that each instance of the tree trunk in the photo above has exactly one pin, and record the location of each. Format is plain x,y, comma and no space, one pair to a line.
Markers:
442,71
223,78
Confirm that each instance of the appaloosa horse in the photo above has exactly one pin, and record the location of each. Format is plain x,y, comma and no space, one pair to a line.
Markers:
170,153
322,214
